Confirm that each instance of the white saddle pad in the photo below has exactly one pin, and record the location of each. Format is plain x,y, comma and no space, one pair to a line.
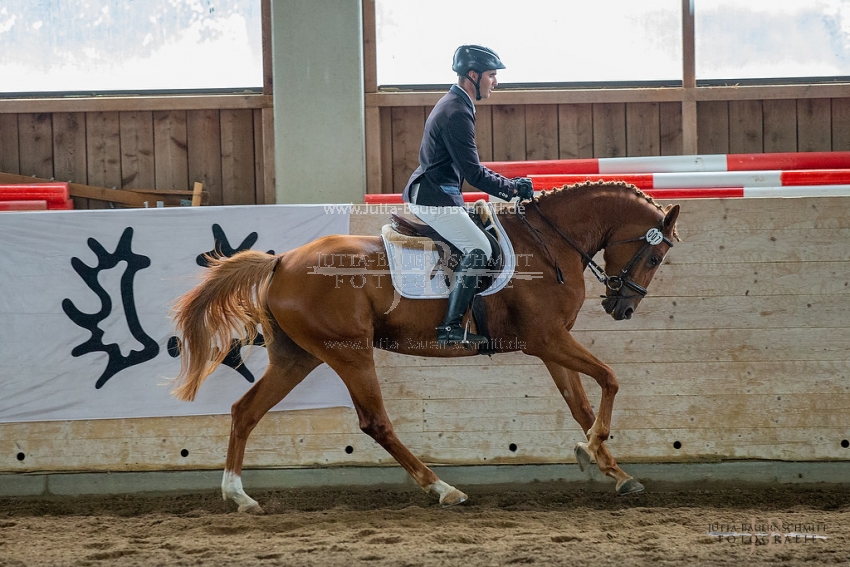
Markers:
418,274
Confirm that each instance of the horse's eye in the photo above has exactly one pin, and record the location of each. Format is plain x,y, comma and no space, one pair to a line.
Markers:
654,261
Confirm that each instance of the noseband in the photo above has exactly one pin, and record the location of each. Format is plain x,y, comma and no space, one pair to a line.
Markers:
616,283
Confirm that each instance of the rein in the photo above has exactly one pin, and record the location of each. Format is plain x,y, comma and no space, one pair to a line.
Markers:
615,283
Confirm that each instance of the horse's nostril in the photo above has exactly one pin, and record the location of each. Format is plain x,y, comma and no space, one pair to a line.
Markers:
628,313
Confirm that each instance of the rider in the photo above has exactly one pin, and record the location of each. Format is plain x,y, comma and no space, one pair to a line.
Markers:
447,156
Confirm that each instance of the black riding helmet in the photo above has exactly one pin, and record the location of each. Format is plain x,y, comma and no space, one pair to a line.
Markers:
475,58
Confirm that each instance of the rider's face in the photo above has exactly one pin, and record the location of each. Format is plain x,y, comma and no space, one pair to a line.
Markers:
488,83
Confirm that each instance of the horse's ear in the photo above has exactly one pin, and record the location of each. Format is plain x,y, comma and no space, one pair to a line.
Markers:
670,218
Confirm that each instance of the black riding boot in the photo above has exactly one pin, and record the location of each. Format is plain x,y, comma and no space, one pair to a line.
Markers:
452,330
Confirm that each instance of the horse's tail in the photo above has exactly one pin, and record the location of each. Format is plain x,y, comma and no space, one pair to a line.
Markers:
230,301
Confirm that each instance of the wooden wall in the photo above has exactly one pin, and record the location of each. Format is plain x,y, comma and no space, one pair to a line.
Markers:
738,352
166,149
565,131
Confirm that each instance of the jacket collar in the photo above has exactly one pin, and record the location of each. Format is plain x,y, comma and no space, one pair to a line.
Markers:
464,95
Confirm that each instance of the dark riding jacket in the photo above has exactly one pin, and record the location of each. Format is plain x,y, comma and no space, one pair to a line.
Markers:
448,155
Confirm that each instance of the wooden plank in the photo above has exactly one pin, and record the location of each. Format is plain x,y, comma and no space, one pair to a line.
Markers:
372,120
69,147
509,133
724,345
763,214
746,127
266,34
484,133
688,45
619,95
575,131
713,127
780,125
387,180
635,412
472,447
764,246
136,103
267,151
670,123
541,131
103,148
69,150
532,380
36,144
721,312
643,129
690,131
779,279
171,149
138,170
237,157
204,152
609,130
9,154
407,127
259,174
705,215
813,125
197,194
370,58
840,124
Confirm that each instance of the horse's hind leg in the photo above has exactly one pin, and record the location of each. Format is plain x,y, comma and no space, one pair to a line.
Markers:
360,378
288,366
570,386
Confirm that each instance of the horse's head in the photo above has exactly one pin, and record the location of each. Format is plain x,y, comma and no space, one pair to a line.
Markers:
633,260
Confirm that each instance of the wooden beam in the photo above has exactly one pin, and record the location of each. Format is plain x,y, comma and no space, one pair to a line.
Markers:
370,57
133,103
616,95
197,194
268,68
689,80
373,115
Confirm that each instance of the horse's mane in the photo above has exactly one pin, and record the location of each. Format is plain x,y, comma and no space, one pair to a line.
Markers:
592,185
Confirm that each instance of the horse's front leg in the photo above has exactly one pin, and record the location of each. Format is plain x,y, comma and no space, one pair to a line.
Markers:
570,386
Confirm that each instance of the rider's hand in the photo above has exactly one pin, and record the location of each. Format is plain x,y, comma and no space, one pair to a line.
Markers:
524,187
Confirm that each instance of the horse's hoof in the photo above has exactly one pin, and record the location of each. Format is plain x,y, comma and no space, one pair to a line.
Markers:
630,486
582,456
452,498
253,509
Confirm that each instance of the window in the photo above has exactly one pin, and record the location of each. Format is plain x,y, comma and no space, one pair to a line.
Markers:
615,41
99,46
770,39
540,41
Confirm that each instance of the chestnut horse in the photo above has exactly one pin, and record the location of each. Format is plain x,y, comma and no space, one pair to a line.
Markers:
306,318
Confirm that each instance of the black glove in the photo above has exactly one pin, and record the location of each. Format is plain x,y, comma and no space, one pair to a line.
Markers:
525,190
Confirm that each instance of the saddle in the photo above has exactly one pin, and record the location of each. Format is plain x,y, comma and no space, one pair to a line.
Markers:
418,235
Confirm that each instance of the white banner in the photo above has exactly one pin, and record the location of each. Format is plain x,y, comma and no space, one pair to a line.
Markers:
85,297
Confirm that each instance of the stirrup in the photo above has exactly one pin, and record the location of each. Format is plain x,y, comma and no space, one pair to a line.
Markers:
456,334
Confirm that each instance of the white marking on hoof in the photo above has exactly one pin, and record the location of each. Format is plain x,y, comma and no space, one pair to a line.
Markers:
231,489
583,457
449,495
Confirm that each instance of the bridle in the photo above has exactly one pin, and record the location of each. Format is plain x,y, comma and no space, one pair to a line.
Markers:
615,283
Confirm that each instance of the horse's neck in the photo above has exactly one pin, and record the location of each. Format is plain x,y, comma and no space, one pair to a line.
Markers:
590,217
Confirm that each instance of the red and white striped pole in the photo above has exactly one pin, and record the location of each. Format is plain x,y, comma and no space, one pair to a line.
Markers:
672,193
806,177
671,164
